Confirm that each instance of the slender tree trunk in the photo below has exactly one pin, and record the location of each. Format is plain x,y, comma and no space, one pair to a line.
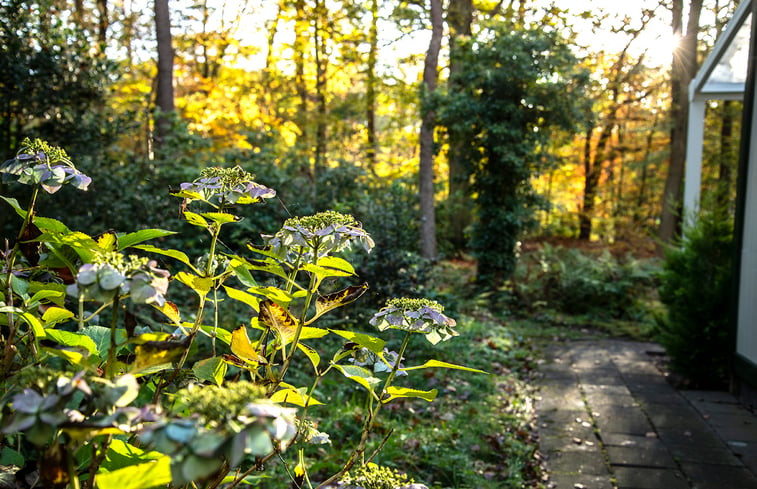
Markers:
164,98
426,171
370,89
321,62
641,199
300,47
683,70
459,18
102,23
591,178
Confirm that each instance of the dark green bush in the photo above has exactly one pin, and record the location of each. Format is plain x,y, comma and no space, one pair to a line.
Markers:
576,282
696,288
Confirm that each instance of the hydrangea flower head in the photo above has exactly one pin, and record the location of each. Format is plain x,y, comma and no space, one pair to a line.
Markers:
112,274
226,185
324,233
416,316
38,163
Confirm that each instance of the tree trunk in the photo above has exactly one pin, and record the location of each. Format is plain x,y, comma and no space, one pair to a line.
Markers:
591,179
164,99
370,90
459,19
300,47
102,23
321,61
682,71
426,171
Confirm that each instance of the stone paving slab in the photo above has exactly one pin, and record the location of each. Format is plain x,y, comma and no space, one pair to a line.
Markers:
650,478
608,419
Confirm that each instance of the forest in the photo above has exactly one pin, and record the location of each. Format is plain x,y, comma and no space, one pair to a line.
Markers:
510,163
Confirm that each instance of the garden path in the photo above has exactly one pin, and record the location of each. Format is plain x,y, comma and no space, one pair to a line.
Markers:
608,418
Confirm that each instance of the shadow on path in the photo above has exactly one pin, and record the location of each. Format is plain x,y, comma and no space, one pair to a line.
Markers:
608,419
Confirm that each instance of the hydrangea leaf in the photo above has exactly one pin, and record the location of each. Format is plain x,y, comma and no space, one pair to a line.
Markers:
439,364
211,370
131,239
243,348
376,345
244,297
139,476
343,297
395,392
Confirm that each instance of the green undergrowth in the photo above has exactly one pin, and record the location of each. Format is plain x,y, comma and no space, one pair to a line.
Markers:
476,434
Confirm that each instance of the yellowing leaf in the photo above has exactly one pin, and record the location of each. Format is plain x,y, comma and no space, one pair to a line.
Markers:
329,302
278,319
243,348
153,353
396,392
201,285
292,396
139,476
438,364
171,311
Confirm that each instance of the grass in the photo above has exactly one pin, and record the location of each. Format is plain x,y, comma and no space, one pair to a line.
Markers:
476,434
479,431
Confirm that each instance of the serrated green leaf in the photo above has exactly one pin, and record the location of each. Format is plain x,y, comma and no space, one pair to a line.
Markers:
376,345
274,294
175,254
101,336
131,239
54,315
50,225
438,364
221,217
394,392
201,285
312,355
28,318
360,375
213,332
336,263
211,370
75,340
16,206
294,396
244,297
195,219
46,294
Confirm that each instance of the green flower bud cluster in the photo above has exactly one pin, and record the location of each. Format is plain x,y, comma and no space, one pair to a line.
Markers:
416,316
372,476
411,304
217,403
322,220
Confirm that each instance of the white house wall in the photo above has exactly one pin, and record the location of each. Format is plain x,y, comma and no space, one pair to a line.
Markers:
746,339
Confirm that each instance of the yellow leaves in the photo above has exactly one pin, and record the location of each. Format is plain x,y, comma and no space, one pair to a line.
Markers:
242,347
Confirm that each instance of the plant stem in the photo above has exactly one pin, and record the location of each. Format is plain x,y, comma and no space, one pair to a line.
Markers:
300,325
201,306
372,415
110,364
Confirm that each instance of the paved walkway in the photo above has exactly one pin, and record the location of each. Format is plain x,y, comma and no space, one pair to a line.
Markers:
608,419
